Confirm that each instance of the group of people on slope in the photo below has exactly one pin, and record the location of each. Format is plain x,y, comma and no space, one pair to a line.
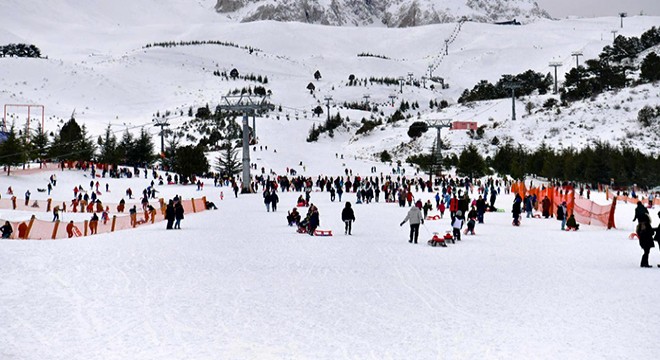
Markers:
568,221
174,213
311,221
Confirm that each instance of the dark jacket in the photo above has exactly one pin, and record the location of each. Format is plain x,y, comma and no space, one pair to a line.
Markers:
641,212
347,214
178,211
169,212
645,235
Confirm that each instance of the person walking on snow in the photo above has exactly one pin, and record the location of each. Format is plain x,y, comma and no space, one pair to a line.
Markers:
347,216
415,218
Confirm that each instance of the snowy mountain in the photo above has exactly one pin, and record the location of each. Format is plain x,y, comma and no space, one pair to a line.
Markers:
392,13
100,66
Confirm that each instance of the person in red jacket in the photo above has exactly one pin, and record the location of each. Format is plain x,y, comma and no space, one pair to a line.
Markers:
453,207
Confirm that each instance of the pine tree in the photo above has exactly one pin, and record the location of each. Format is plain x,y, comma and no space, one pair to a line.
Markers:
11,151
227,161
108,151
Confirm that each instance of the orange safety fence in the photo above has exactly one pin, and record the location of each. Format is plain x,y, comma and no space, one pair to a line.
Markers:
632,200
68,206
35,229
585,211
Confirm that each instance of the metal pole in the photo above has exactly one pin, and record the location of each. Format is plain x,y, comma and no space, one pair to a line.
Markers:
246,156
513,103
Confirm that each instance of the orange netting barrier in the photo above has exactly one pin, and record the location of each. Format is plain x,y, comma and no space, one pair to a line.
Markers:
35,229
632,200
68,206
585,211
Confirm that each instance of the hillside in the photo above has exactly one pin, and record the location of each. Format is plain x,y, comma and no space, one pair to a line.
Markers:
100,66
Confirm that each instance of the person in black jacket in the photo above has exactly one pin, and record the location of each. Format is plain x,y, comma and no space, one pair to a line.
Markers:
645,236
169,214
515,210
6,230
178,214
641,211
347,216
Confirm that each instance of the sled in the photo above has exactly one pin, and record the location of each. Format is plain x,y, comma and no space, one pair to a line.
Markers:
436,240
322,232
632,236
434,217
76,231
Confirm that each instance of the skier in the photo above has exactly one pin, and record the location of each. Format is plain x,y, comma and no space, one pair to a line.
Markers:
347,216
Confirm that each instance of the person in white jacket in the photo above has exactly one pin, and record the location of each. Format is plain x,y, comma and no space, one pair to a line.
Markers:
415,218
457,225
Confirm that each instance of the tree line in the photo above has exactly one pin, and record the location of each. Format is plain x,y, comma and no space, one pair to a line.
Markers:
600,163
20,50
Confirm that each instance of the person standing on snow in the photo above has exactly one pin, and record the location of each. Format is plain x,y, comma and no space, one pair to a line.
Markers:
169,214
641,212
347,216
645,236
562,214
457,225
178,215
415,218
515,210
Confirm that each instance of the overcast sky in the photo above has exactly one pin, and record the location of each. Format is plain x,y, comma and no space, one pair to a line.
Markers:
592,8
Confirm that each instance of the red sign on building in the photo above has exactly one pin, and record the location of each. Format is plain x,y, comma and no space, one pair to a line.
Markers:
464,125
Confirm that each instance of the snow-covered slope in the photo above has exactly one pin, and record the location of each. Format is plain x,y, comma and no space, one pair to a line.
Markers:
238,283
98,65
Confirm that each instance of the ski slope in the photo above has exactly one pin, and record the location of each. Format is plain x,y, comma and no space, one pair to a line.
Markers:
238,283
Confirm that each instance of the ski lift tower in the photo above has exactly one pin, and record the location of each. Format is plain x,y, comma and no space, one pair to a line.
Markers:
248,105
438,124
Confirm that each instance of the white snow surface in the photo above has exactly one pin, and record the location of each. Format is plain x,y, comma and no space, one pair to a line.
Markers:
238,283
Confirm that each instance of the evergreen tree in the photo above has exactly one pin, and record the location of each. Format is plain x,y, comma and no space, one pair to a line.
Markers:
85,147
125,149
227,161
470,163
108,151
38,144
144,148
190,160
651,67
12,152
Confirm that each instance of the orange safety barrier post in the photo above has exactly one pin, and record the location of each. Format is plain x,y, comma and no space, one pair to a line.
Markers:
114,222
153,215
85,226
29,227
193,205
57,224
48,204
610,221
13,202
133,219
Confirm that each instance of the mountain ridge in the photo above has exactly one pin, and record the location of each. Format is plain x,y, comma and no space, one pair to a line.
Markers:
390,13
